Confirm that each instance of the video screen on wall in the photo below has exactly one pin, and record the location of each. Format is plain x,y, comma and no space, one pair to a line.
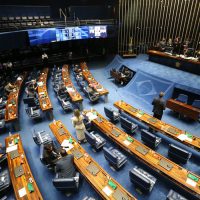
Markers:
47,35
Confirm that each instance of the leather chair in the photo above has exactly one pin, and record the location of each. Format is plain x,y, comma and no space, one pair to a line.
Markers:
66,184
142,179
172,195
112,114
196,103
4,180
182,98
150,139
2,119
41,137
66,105
178,154
95,140
114,157
128,125
33,112
93,96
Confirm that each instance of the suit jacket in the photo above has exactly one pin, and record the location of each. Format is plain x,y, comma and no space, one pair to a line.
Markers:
65,167
158,105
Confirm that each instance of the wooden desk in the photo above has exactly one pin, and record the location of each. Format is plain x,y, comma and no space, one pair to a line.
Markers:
167,129
73,93
177,62
45,103
91,81
11,112
23,180
118,76
101,179
183,108
157,162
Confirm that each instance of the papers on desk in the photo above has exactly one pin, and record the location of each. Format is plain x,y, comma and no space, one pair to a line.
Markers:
69,89
126,142
107,191
67,145
11,148
183,137
191,182
91,116
22,192
40,83
41,93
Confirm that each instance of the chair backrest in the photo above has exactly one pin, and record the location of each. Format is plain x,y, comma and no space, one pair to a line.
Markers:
90,138
63,184
146,135
179,151
30,101
109,155
139,180
108,112
125,123
196,103
182,98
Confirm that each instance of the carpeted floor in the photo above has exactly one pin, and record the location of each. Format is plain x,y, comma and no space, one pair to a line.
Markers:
43,176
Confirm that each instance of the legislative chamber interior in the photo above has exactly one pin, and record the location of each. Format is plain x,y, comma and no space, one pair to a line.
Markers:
100,100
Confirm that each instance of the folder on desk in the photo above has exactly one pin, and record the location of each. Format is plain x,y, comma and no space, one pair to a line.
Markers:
61,131
115,132
166,165
77,154
14,154
93,169
142,150
118,195
19,171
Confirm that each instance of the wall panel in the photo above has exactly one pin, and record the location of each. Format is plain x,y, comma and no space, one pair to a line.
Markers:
147,21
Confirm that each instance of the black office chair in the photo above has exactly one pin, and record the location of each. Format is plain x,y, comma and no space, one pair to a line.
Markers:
182,98
2,119
142,179
95,140
178,154
66,184
112,114
41,137
172,195
33,112
150,139
114,157
128,125
5,182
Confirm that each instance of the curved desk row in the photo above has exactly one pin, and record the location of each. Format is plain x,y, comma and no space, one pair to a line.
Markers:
73,93
91,81
11,113
178,175
44,100
167,129
22,179
106,186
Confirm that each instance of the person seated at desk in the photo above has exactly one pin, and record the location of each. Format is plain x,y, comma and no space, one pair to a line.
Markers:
2,102
62,89
2,150
9,88
162,44
65,165
31,89
51,154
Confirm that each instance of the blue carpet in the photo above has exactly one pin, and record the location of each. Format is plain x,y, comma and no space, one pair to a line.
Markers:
43,176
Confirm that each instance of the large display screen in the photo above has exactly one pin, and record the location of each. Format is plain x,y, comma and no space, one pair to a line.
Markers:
47,35
42,36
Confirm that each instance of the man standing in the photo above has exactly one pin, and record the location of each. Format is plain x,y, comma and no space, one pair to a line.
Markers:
158,106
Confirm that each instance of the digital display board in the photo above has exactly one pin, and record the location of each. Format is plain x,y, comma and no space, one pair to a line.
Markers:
47,35
42,36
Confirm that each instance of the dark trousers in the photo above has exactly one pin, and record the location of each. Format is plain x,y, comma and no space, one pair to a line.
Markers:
157,116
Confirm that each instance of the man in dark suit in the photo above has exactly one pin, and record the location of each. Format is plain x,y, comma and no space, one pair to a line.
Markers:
158,106
65,166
